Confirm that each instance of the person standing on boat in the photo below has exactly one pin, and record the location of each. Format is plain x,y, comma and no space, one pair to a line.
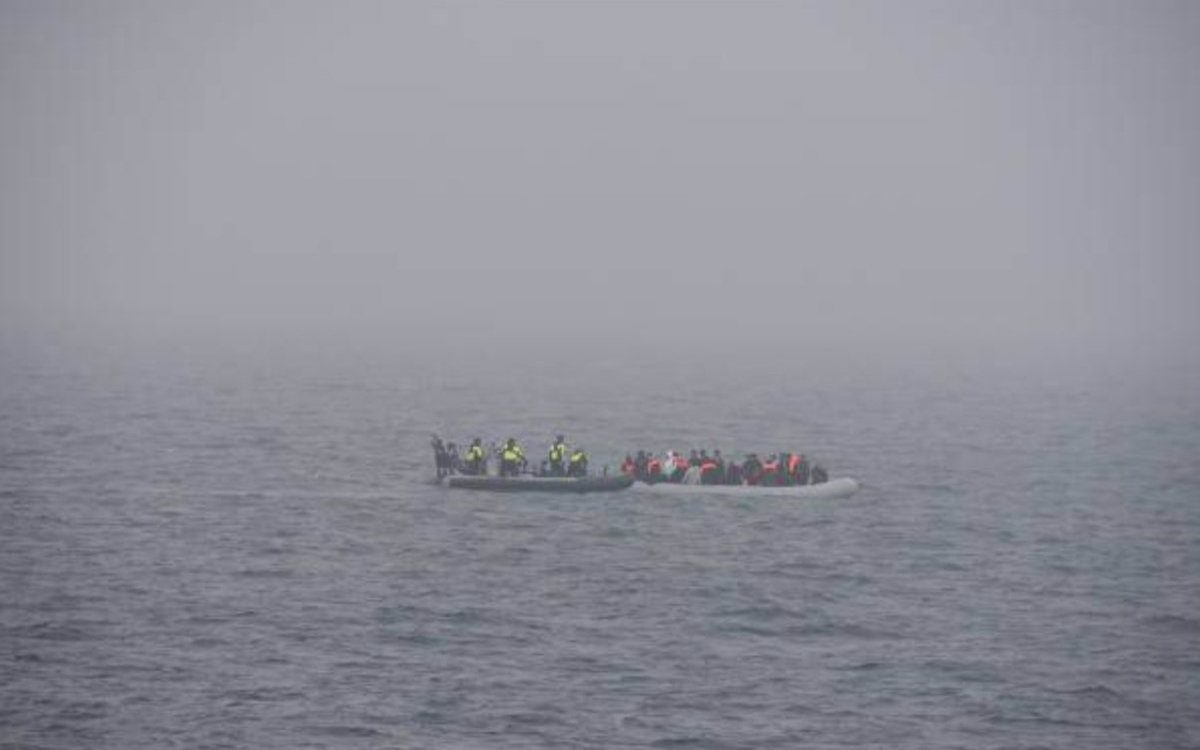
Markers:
512,458
577,464
558,452
440,459
453,462
476,462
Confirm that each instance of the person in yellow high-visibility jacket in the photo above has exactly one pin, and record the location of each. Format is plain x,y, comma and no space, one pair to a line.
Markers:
476,460
555,460
577,464
512,458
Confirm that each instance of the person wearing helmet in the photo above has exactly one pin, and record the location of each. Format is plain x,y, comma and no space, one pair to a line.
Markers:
577,464
554,461
512,458
476,460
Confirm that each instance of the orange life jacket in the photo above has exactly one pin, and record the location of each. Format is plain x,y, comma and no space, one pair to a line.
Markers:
793,462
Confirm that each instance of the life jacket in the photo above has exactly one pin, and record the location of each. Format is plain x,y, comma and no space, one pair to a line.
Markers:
510,454
707,465
578,456
556,453
793,462
770,466
653,467
627,467
475,453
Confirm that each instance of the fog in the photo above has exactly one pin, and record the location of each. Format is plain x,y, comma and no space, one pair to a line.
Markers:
408,173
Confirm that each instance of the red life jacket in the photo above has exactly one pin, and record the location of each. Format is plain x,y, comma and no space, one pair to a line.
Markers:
769,466
793,462
653,467
627,467
707,465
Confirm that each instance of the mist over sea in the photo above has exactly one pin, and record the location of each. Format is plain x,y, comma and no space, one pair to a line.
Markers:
205,548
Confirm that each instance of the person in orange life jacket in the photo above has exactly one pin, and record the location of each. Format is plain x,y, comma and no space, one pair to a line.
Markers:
653,469
793,461
785,478
708,469
770,472
720,478
639,466
681,466
801,471
627,466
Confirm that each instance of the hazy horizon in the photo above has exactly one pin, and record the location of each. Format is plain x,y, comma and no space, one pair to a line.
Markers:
399,175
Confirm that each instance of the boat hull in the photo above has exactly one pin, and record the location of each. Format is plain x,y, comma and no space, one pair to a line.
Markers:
540,484
837,488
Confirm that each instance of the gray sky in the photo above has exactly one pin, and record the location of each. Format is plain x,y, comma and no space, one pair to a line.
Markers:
1022,171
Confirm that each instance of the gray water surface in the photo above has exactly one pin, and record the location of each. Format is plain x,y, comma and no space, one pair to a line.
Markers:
199,552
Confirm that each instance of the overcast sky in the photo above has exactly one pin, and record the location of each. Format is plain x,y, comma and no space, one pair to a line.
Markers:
402,170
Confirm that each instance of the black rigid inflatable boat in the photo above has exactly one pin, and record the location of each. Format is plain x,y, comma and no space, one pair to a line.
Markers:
540,484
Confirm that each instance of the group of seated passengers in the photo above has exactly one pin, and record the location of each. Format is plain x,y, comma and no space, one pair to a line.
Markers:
778,470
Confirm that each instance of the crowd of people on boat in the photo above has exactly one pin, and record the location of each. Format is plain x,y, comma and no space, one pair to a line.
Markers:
783,469
776,470
510,459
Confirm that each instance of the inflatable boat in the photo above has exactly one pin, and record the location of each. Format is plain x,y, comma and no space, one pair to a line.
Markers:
529,483
836,488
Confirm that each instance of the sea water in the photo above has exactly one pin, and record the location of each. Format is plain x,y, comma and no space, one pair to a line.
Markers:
201,551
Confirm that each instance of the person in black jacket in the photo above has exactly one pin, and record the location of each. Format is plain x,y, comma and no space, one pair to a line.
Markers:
441,459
